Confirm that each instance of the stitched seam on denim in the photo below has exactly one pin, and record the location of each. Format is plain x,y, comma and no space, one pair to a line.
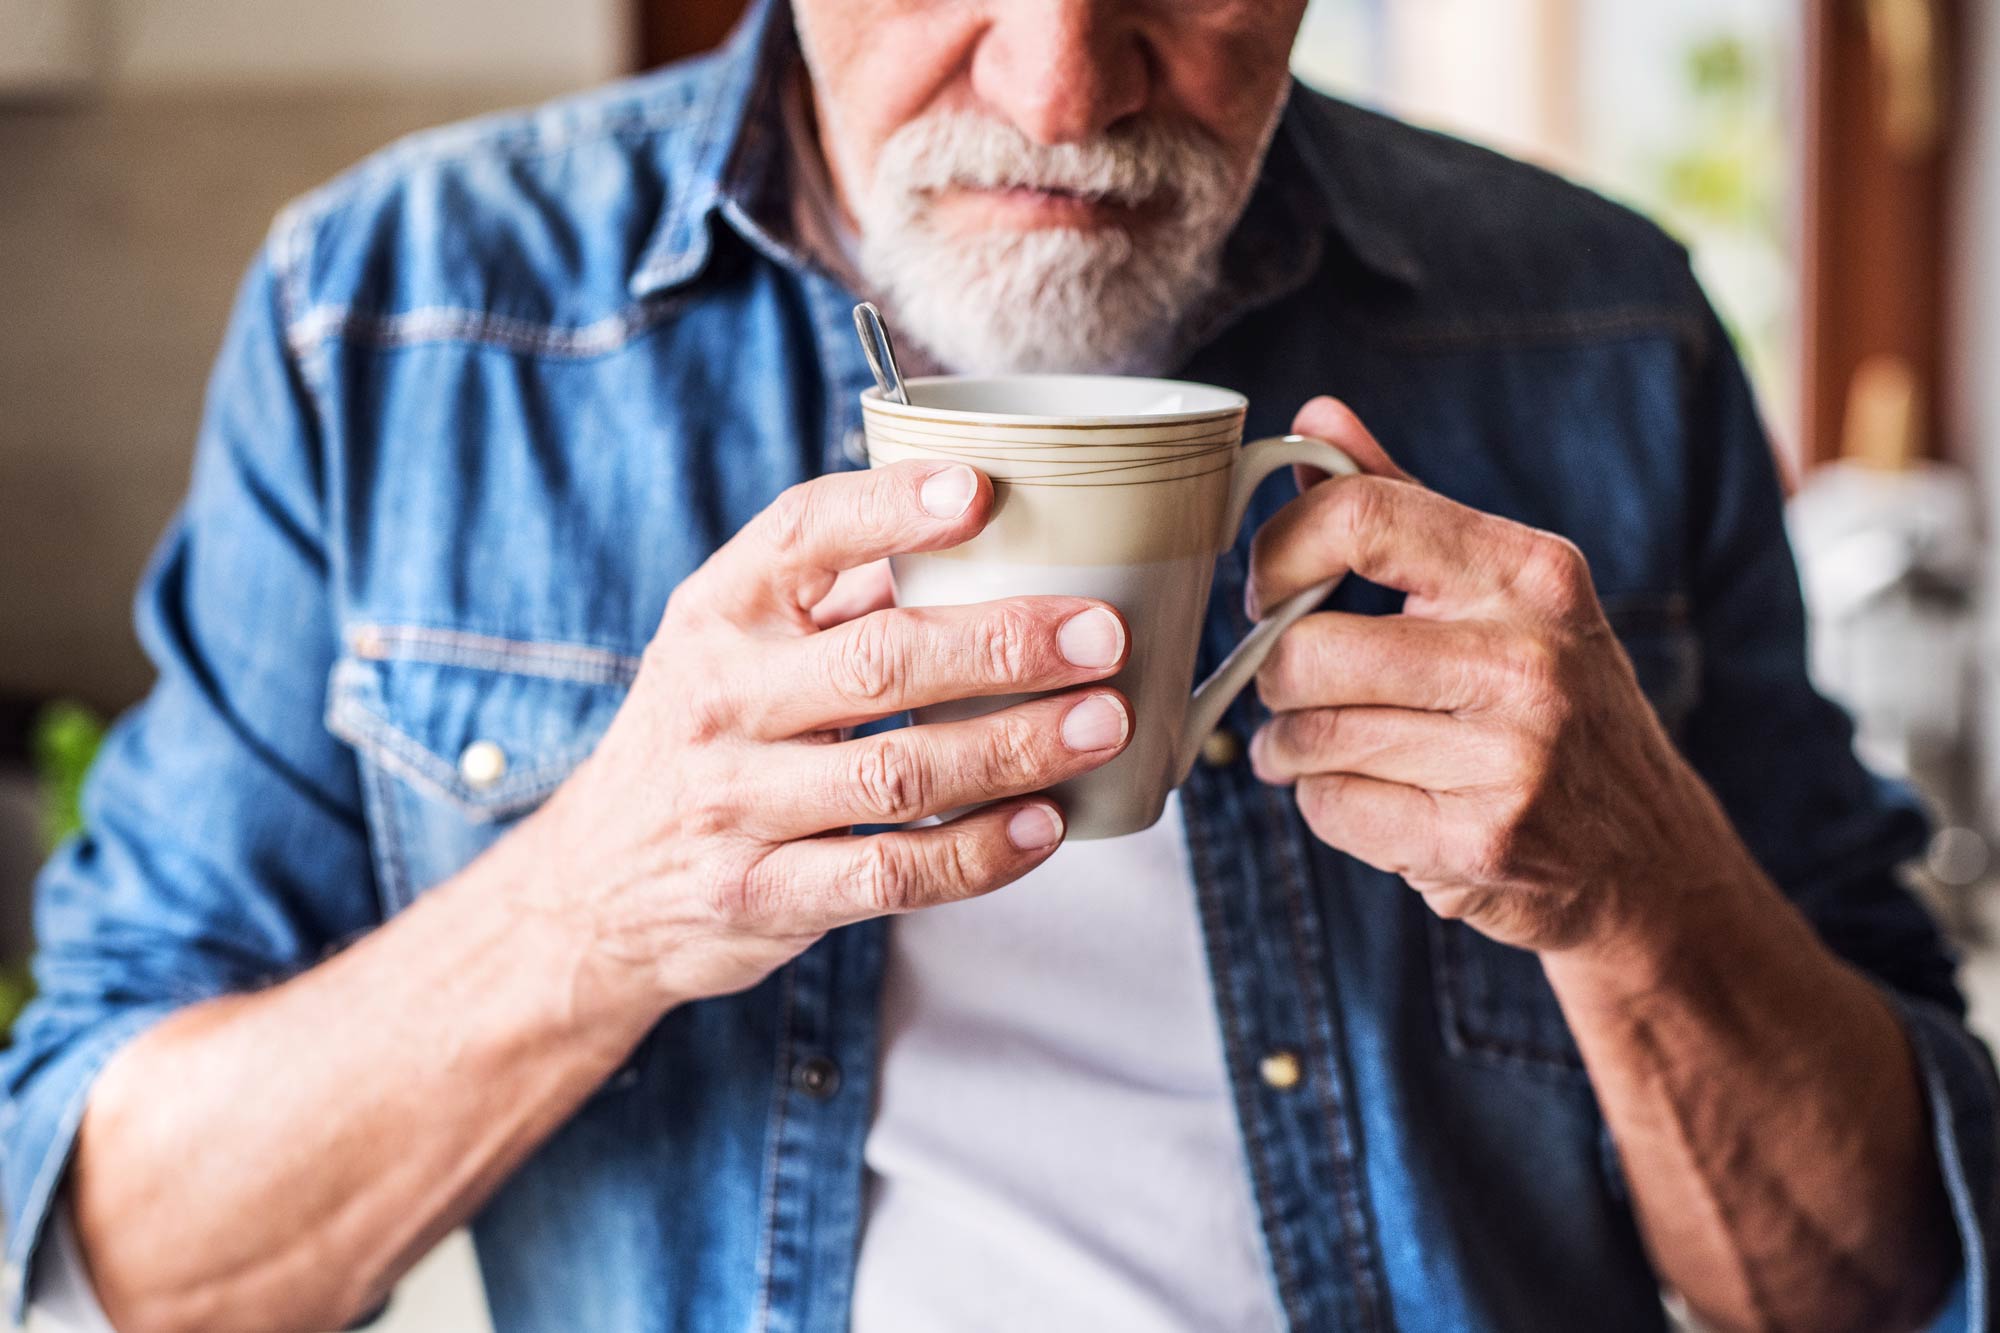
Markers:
400,888
1444,985
409,758
1291,1293
433,325
579,662
1646,612
378,799
512,137
1462,1038
517,137
1613,325
363,728
1356,1226
394,868
767,1250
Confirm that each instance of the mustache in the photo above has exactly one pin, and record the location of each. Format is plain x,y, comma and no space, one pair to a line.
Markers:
1137,162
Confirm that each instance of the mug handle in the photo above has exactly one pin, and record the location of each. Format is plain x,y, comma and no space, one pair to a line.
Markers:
1213,697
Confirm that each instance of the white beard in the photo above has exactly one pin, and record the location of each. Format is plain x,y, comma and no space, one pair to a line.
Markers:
1106,299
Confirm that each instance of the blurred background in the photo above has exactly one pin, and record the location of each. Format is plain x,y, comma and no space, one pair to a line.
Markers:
1833,164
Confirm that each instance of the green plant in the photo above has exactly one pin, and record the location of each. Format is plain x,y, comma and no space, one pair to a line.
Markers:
64,742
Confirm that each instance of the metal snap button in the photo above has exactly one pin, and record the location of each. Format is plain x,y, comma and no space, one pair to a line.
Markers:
817,1077
1222,748
482,764
1281,1070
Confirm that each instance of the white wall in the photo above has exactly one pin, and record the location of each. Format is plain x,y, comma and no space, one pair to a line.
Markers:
1501,71
533,42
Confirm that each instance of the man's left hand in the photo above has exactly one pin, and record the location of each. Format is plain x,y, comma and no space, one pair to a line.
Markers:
1490,744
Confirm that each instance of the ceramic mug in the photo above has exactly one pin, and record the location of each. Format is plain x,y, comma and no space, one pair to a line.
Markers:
1121,489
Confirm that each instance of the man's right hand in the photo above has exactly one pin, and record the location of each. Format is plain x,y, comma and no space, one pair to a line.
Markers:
706,841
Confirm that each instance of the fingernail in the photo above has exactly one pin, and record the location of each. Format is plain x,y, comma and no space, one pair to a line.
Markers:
948,493
1252,604
1034,827
1092,638
1098,723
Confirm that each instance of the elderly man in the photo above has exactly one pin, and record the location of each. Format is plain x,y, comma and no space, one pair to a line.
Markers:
519,834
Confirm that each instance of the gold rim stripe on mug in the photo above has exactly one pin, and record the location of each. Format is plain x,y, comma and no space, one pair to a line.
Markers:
1155,437
1056,479
1005,421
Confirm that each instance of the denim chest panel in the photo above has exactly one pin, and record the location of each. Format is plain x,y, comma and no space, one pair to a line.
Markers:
1557,426
514,527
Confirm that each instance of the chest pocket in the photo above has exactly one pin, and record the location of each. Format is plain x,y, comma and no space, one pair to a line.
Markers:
1494,1006
459,736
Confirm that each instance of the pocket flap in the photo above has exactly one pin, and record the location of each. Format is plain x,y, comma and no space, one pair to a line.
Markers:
490,726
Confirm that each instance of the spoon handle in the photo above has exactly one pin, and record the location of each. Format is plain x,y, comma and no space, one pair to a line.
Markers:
881,354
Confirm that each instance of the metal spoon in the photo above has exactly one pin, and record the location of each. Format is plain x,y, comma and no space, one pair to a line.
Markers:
881,354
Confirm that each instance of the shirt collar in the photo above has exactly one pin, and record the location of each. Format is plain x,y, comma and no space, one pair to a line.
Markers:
1315,174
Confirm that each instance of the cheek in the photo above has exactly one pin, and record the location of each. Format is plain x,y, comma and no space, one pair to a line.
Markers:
881,64
1227,73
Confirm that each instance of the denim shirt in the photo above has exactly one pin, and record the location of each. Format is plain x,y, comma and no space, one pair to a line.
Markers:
488,398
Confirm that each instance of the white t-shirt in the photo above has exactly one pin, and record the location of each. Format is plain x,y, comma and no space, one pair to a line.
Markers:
1054,1145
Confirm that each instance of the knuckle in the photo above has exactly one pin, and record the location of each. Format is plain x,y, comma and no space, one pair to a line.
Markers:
1530,666
882,879
1554,574
683,607
738,903
708,799
956,868
889,780
791,519
707,710
1008,636
863,670
1014,752
1361,508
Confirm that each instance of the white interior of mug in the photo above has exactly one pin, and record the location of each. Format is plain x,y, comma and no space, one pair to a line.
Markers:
1064,398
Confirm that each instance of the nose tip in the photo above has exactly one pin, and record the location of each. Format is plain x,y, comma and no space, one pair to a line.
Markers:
1062,77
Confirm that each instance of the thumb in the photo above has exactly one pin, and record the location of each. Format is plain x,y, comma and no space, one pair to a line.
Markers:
1334,421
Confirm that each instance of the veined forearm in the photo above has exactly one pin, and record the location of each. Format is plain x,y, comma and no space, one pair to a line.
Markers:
279,1159
1765,1104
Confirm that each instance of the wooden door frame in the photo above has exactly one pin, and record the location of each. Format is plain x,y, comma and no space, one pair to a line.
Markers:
667,30
1876,230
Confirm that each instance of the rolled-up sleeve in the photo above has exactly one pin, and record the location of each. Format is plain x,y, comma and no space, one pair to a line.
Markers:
225,848
1833,835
